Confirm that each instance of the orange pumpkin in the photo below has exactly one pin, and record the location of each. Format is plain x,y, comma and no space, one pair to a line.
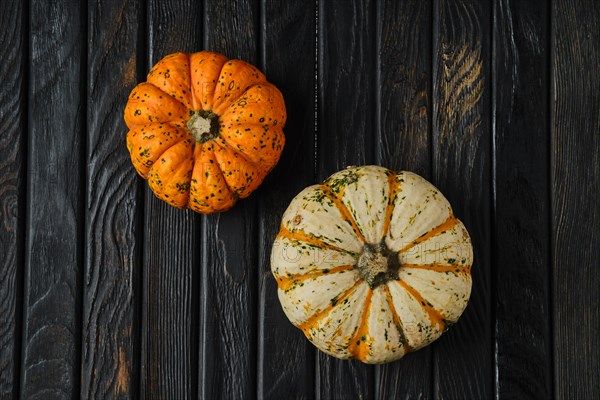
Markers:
204,130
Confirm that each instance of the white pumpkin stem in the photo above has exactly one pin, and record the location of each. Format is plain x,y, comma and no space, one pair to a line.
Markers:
377,264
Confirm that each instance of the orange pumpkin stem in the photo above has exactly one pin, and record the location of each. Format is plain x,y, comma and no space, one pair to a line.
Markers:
203,125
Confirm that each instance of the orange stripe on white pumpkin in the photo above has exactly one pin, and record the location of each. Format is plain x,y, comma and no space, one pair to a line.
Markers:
291,257
334,332
310,323
314,213
394,188
300,302
385,341
454,268
301,236
448,293
417,326
451,247
418,208
359,344
287,282
396,318
449,223
363,191
434,315
346,215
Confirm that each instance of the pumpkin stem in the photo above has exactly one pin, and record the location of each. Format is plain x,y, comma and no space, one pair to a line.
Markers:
203,125
377,264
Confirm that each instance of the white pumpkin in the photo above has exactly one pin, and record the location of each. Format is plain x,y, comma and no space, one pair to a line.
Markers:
372,264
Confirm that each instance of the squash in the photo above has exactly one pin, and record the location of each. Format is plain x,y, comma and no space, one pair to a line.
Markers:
372,264
204,130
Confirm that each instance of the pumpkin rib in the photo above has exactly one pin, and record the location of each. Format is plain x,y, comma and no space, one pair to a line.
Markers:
184,89
169,107
222,175
225,98
447,295
249,185
191,87
300,236
167,94
256,154
393,191
397,320
224,144
254,130
359,344
454,268
295,258
275,102
434,315
221,198
315,318
173,186
346,215
417,212
418,208
202,78
447,224
137,155
287,282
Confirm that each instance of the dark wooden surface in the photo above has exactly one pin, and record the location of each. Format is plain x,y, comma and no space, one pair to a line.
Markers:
107,292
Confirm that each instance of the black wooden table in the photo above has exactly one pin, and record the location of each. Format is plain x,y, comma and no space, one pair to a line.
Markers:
107,292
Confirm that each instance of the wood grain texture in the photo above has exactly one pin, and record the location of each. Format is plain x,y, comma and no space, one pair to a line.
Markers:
346,135
404,77
12,140
172,242
230,244
461,170
55,193
403,128
170,319
575,172
521,201
107,292
110,324
285,357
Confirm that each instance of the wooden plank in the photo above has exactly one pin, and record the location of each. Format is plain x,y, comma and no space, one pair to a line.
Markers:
403,128
230,245
110,346
461,169
404,80
521,204
345,123
172,242
575,175
13,111
55,208
285,357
